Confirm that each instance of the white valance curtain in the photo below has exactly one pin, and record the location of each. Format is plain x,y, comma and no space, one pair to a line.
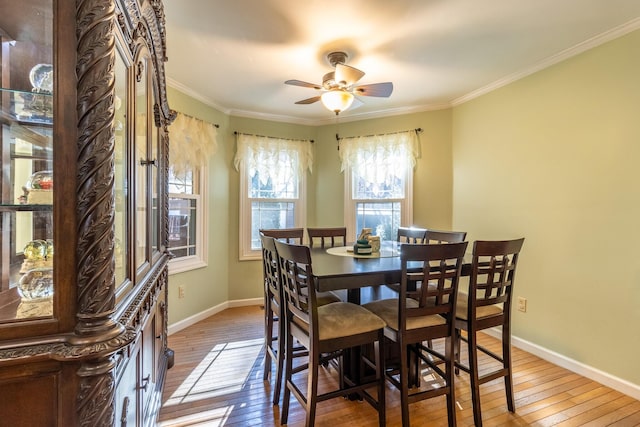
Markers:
380,158
271,157
191,143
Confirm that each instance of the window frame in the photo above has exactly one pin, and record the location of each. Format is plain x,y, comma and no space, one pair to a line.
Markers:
350,204
245,218
201,257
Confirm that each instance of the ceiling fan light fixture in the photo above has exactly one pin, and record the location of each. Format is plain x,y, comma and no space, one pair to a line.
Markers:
337,100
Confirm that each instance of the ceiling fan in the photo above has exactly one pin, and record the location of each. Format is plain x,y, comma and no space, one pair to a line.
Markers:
339,87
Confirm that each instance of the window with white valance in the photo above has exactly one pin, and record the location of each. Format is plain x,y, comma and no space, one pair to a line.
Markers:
192,142
272,186
379,181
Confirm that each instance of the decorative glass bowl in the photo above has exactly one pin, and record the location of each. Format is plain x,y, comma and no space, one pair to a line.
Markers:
41,78
42,180
36,284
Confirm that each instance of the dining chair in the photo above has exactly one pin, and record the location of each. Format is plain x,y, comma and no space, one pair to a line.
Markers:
274,345
331,328
487,304
289,235
411,235
427,316
274,314
327,236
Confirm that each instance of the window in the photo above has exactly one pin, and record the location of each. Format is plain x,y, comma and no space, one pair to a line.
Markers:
272,186
187,240
379,182
192,142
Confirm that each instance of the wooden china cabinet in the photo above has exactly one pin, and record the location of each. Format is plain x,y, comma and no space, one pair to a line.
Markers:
83,212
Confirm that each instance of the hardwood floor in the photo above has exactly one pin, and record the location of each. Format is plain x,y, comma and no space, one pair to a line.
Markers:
217,381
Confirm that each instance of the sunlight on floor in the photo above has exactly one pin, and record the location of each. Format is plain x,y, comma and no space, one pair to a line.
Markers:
223,370
214,418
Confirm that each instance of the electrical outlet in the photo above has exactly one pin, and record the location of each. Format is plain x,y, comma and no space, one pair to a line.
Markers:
181,291
522,304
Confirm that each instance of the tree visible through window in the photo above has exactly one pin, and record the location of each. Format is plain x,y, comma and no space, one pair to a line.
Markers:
378,170
183,213
272,186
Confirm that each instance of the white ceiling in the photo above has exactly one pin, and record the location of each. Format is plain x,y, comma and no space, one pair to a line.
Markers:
236,55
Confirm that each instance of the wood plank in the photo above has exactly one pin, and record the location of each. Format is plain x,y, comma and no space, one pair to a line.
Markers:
195,393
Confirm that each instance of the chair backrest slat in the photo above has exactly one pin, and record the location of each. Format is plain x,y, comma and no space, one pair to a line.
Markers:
441,266
270,268
289,235
296,279
411,235
493,271
328,236
444,236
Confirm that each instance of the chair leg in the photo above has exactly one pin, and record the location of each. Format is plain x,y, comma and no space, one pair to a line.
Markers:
506,359
474,377
280,360
456,349
312,388
404,384
288,356
380,368
268,337
450,380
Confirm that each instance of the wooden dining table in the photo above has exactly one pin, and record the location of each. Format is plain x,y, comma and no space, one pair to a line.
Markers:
337,269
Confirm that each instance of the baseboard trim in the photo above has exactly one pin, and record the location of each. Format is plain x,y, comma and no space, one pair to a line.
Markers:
180,325
618,384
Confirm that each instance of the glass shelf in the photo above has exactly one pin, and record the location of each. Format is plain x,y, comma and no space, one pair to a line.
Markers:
25,208
27,107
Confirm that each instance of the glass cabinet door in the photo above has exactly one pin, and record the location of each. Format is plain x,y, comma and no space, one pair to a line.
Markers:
148,178
141,165
26,156
121,160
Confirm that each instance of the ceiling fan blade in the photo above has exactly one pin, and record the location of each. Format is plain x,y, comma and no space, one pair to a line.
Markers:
309,100
375,89
303,84
347,74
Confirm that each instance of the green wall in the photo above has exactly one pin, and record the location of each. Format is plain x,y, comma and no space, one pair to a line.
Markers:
206,287
554,158
551,157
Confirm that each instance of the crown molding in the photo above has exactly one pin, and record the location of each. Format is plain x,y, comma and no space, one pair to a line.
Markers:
196,95
563,55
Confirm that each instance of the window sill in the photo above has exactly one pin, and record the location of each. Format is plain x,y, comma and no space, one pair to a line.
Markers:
185,264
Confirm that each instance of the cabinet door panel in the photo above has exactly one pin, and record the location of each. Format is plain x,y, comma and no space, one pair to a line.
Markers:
29,402
26,160
142,163
121,162
127,403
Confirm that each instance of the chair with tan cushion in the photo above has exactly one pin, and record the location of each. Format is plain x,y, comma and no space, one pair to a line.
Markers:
487,304
274,315
327,236
330,328
428,315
